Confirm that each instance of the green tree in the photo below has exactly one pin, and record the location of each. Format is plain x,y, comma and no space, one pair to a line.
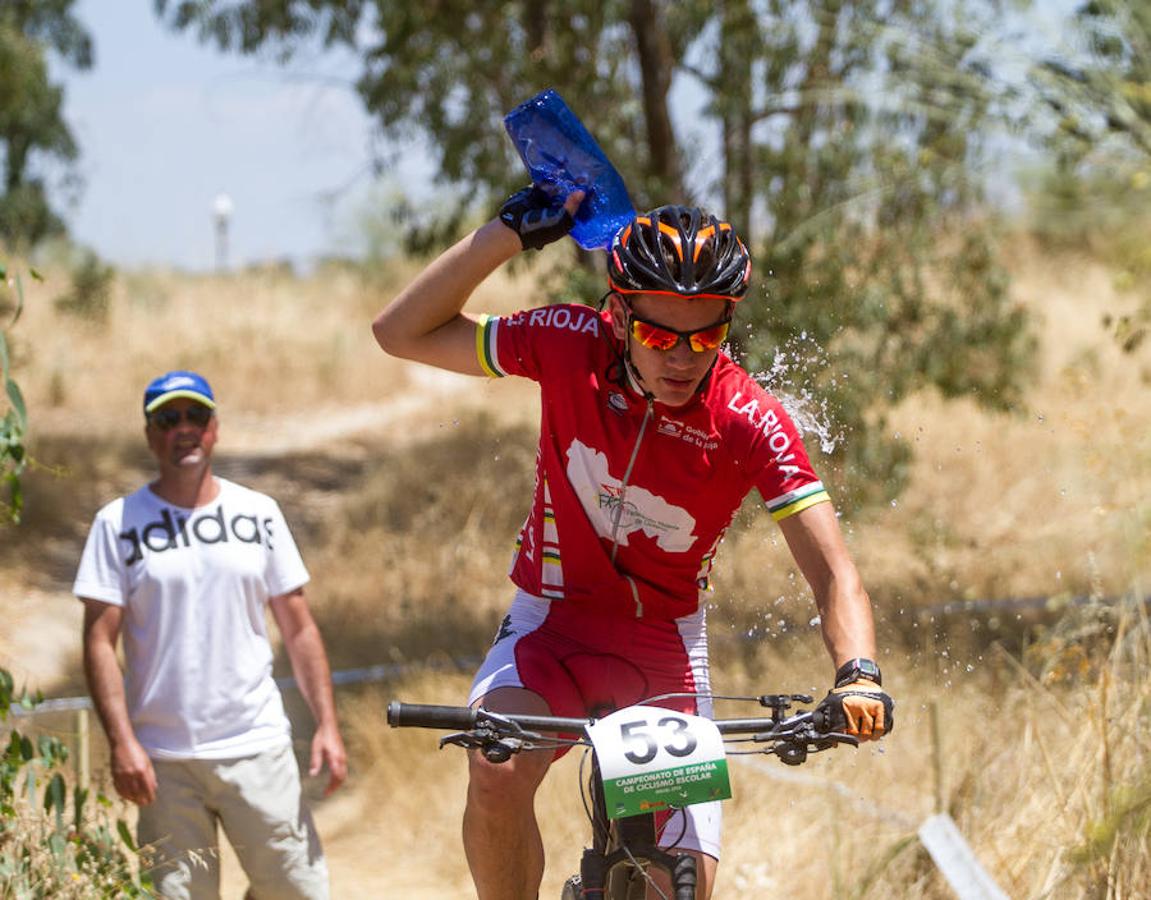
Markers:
880,249
451,69
14,424
32,128
1097,92
850,136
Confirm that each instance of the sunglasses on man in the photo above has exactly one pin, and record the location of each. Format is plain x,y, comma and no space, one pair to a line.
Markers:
659,337
166,419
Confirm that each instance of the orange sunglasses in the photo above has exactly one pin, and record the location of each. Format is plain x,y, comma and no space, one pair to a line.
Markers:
660,337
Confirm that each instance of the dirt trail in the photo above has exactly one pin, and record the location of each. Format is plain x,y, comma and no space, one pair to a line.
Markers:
40,643
41,636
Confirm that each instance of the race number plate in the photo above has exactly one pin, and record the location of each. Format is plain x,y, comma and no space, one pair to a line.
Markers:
653,758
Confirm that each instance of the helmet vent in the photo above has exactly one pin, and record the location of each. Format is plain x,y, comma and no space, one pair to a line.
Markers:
679,250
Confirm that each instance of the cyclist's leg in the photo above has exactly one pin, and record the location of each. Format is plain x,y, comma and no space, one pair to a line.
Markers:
501,837
677,659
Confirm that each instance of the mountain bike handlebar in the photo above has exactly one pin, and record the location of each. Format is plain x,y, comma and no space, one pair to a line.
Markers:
797,735
422,715
609,867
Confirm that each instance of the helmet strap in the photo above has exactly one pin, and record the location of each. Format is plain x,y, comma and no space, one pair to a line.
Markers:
629,374
623,371
632,373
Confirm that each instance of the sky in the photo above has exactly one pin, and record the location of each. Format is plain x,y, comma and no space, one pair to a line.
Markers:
166,125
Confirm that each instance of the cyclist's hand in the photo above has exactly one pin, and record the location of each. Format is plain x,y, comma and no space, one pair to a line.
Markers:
862,709
539,218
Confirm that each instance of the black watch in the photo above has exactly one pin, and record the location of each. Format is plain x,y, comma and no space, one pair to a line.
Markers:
858,670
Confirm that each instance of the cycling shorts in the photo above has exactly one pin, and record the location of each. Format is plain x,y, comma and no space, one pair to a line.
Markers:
584,662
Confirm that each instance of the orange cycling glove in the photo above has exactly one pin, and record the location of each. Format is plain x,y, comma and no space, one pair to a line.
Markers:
861,708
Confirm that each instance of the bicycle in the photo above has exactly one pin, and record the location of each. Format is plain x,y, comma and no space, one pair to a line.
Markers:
624,840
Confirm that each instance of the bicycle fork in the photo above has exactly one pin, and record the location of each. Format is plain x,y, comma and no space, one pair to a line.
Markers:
611,863
595,869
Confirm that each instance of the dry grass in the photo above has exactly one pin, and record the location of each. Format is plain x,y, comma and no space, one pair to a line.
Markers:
1047,501
1047,778
272,345
399,492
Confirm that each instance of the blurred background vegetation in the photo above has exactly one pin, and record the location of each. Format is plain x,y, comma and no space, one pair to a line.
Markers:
963,339
859,146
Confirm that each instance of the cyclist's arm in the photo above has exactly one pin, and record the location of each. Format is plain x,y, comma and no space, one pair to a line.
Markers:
816,543
425,321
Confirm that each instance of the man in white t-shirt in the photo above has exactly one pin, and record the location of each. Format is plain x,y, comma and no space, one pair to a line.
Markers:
182,570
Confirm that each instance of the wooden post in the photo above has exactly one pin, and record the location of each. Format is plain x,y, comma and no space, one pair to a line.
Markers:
937,755
83,750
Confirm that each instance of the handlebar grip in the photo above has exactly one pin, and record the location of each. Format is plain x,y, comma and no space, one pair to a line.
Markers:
822,718
420,715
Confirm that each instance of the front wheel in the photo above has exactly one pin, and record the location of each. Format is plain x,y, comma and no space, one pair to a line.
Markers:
622,885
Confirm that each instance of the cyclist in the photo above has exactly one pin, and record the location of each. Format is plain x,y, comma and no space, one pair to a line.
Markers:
650,438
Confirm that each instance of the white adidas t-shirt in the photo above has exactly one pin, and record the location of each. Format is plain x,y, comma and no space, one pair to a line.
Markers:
194,584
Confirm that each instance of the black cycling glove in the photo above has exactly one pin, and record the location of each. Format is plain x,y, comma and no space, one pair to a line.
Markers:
536,216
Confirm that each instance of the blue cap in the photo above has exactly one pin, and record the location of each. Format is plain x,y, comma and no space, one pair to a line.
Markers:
178,384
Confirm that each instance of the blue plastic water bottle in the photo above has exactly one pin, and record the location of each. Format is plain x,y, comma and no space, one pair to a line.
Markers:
561,155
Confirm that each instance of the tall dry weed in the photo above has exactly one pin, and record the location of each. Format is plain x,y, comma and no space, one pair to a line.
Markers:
1044,768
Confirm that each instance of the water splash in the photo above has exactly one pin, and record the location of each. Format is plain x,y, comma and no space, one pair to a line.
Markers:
788,379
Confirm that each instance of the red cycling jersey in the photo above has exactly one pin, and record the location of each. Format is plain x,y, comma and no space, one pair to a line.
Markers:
632,496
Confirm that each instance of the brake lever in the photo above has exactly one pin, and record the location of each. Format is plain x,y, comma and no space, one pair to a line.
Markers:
801,729
793,745
495,749
466,739
507,726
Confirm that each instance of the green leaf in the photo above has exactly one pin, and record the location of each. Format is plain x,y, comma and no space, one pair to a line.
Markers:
59,846
19,284
56,797
3,356
16,398
35,273
52,750
6,686
125,835
16,498
79,800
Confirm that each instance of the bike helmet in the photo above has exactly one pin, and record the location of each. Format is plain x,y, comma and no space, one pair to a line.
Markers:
679,250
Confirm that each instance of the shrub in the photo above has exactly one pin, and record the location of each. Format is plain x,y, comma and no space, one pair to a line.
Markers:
44,851
90,297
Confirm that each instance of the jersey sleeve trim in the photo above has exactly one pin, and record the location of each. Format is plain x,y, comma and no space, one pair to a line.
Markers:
798,500
487,333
